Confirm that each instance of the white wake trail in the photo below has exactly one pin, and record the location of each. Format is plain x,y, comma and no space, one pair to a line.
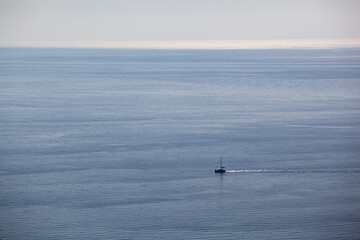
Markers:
350,170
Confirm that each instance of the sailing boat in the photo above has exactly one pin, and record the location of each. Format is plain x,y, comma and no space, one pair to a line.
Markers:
222,168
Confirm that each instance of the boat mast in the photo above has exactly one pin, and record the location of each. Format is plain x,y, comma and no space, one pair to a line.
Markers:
221,166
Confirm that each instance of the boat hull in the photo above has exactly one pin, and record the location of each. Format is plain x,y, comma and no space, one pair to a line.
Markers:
220,170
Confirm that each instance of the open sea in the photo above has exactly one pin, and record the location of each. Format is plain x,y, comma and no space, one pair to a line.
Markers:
122,144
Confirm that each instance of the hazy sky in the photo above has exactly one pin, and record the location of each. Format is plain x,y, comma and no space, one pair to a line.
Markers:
24,21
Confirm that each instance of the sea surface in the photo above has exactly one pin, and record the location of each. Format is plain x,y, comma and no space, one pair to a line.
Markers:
122,144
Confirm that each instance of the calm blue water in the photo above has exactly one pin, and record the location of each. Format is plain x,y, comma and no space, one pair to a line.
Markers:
122,144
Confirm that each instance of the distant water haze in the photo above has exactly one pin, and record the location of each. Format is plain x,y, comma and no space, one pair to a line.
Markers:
200,44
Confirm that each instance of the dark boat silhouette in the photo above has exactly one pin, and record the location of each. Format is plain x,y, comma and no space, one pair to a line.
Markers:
221,169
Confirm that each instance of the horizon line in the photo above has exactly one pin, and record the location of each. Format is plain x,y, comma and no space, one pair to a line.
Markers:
196,44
